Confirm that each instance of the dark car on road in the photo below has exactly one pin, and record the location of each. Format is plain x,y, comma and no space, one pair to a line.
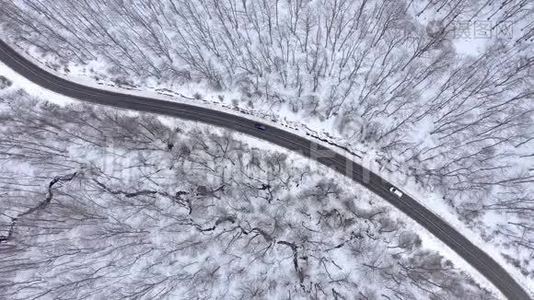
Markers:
260,126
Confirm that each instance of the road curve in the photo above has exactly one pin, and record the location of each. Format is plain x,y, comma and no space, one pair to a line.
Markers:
456,241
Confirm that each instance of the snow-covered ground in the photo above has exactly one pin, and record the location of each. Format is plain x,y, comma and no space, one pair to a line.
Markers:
88,159
455,130
430,200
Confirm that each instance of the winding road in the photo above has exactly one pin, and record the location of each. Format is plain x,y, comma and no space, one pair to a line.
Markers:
451,237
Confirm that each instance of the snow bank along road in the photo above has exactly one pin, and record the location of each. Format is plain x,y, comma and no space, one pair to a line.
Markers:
472,254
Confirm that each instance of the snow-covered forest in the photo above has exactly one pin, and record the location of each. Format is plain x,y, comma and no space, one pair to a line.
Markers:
101,204
443,91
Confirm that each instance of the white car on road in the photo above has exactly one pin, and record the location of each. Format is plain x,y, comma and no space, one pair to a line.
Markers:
396,192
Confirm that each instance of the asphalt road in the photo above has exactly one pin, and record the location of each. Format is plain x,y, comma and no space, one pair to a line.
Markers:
456,241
